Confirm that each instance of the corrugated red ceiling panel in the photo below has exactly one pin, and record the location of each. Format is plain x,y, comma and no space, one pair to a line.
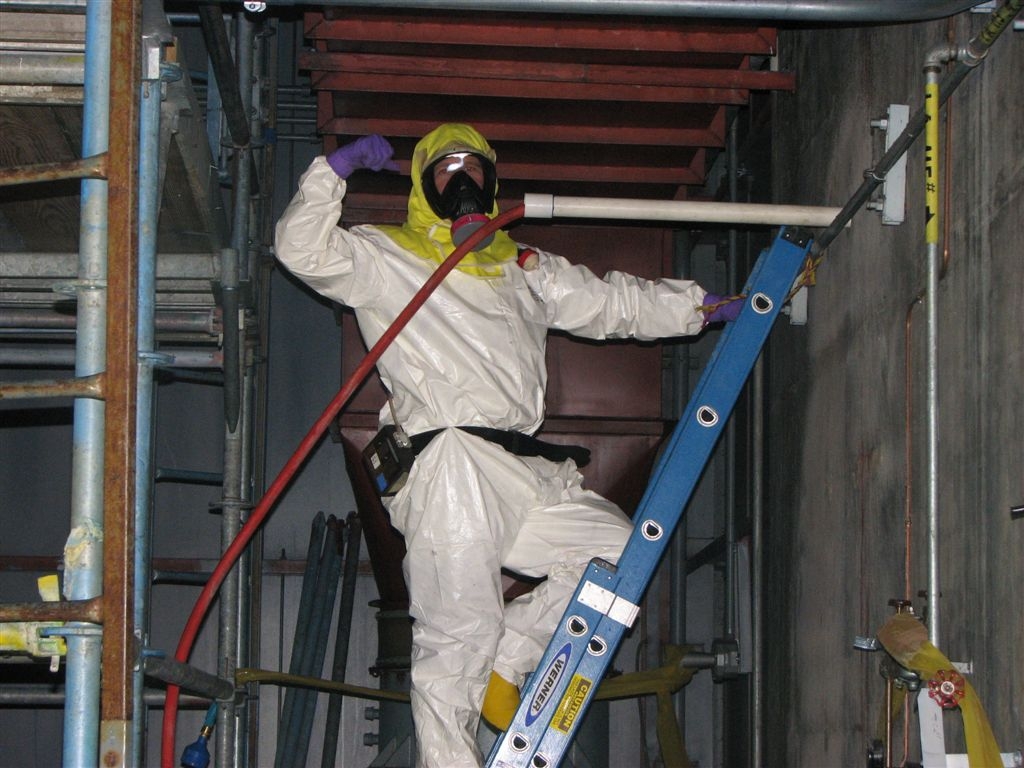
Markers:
580,105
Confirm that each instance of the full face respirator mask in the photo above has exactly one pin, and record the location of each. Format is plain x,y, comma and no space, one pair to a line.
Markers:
463,200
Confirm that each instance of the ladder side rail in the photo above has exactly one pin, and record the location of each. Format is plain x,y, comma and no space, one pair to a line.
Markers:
708,411
668,494
557,668
606,600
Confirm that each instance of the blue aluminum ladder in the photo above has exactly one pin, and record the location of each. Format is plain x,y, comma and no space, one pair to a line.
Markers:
606,601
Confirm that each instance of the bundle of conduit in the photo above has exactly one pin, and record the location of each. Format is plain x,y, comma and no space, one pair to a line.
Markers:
333,549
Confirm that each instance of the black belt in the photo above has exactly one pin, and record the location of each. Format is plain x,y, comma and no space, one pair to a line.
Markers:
513,442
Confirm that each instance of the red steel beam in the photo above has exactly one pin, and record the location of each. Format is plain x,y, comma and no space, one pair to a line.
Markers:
559,134
545,71
585,172
525,89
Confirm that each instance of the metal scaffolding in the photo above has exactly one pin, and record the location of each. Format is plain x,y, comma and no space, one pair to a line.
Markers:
127,90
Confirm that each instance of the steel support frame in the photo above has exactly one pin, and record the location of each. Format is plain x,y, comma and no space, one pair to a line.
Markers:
102,606
120,641
107,286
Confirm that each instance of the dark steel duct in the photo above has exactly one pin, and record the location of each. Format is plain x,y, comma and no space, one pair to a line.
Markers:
779,11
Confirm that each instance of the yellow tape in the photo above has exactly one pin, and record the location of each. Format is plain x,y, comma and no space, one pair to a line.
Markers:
49,587
931,163
14,637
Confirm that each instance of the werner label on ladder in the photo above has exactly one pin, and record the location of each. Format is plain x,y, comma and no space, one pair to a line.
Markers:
606,601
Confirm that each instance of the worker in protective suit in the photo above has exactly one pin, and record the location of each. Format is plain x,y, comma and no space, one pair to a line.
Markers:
467,379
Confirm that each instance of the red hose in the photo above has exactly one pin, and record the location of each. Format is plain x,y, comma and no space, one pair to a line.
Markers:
262,510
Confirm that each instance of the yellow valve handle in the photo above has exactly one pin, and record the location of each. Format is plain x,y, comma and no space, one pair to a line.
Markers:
906,640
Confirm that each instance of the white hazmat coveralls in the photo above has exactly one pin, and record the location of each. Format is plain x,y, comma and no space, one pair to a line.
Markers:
474,356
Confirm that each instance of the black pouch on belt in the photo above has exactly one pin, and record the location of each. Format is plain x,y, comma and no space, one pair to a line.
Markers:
388,458
514,442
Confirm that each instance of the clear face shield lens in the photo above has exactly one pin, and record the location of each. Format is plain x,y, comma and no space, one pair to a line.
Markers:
465,162
452,163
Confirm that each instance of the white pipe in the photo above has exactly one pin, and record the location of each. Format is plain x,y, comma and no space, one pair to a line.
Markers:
541,206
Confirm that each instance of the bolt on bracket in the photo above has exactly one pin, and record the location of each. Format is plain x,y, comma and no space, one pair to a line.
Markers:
893,201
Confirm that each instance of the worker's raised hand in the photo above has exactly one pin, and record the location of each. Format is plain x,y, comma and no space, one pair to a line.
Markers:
721,309
372,152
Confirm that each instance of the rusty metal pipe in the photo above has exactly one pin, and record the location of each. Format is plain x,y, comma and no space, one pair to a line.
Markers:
81,386
90,611
93,167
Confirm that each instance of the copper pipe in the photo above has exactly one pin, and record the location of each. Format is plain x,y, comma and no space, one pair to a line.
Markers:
906,731
888,722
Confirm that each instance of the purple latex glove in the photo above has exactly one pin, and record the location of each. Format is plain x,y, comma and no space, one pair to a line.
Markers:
373,152
726,308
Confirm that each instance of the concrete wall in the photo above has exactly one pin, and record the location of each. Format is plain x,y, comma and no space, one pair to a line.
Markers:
839,489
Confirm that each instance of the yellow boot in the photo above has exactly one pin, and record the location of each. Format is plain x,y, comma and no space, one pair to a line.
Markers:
500,702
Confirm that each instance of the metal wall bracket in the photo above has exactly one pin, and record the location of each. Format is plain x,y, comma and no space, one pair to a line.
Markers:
892,202
796,307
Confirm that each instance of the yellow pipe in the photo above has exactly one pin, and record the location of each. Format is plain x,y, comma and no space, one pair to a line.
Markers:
931,161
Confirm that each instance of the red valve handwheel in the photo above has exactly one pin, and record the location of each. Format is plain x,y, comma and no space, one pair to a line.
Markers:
947,688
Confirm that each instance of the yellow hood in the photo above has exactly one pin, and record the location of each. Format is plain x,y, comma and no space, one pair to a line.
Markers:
423,232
